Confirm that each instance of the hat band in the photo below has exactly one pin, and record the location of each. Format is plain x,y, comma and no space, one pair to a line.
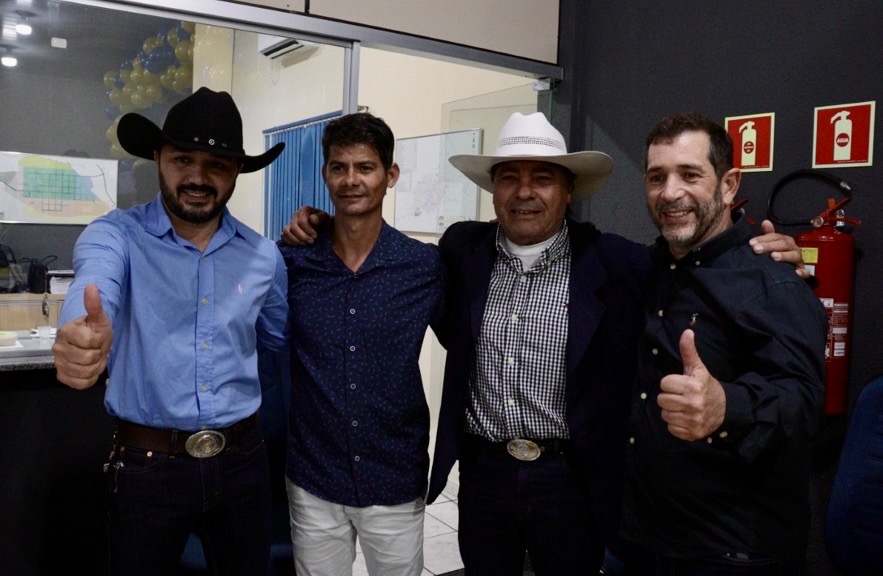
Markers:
526,145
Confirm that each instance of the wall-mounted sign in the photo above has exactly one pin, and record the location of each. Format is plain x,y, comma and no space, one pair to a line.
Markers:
844,135
752,141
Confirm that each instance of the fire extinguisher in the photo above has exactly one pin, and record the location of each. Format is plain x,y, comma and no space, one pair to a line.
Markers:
828,251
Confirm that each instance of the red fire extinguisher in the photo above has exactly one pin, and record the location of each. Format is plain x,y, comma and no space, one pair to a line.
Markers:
828,251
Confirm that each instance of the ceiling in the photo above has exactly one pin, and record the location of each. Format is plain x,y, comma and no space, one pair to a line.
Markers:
98,39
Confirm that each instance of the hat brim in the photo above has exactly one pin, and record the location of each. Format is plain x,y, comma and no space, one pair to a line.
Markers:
139,137
591,169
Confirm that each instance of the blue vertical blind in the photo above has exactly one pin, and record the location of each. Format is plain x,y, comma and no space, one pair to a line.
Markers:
295,178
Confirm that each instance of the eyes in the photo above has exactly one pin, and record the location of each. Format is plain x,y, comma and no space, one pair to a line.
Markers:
336,169
212,163
537,179
658,178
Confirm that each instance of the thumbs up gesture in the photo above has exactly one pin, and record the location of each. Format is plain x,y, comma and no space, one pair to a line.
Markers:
82,345
693,403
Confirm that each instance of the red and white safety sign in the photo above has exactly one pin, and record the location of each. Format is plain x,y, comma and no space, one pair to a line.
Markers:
844,135
752,141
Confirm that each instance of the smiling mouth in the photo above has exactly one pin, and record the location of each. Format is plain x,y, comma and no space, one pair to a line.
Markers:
524,211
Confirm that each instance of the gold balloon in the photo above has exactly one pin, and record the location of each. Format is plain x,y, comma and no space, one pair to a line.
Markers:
116,96
110,79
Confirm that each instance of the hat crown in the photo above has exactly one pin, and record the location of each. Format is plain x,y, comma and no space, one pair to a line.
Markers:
206,118
530,135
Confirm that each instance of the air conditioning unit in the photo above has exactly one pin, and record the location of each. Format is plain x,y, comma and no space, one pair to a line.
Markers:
277,46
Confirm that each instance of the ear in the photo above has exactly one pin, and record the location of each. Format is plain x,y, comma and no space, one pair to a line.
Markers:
392,175
730,185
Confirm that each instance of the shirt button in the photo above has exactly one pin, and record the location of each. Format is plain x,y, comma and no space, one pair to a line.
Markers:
510,402
203,388
510,360
205,300
352,310
204,345
660,313
352,348
515,317
355,423
357,458
672,265
709,440
697,263
655,351
723,434
632,440
643,395
352,386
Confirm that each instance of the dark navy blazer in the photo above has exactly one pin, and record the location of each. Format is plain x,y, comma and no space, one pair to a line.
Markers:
608,278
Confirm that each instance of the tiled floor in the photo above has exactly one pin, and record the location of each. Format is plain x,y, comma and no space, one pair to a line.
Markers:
441,555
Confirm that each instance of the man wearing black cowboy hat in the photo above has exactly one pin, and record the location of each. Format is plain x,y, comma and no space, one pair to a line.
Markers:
173,297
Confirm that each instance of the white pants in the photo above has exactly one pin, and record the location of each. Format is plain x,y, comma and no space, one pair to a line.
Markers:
324,536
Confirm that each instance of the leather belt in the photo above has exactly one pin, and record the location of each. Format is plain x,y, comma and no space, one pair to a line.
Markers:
200,444
523,449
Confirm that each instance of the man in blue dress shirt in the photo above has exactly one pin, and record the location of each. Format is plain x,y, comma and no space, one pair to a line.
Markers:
173,298
361,298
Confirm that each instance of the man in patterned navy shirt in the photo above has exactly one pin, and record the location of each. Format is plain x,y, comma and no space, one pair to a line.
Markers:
361,298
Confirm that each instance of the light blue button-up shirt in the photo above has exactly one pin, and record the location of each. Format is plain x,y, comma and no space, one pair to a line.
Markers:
186,324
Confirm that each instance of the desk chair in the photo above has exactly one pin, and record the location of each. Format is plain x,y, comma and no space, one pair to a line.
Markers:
854,526
273,370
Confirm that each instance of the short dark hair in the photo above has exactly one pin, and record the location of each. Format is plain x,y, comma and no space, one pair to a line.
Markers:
720,152
360,128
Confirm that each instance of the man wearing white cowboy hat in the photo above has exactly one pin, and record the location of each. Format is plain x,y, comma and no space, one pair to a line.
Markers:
542,321
173,297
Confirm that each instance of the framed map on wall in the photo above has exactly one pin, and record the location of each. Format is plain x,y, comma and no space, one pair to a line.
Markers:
42,189
431,194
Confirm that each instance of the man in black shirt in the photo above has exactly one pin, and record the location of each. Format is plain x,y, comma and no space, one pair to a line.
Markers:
730,383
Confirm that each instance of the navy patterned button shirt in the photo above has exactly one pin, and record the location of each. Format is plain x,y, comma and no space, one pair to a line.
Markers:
359,419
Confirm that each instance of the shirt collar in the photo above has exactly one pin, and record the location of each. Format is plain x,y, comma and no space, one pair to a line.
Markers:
159,224
385,248
556,249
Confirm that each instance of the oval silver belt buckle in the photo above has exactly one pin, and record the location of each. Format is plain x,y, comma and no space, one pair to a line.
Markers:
205,443
523,450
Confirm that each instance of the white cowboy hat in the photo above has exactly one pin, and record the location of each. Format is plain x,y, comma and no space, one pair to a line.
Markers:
531,137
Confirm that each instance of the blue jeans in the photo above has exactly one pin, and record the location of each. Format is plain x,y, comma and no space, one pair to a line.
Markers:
156,501
509,508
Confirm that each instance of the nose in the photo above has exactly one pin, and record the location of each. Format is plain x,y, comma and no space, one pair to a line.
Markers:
524,190
671,189
349,176
196,173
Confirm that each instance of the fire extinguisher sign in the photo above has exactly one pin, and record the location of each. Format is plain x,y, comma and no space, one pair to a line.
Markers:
844,135
752,141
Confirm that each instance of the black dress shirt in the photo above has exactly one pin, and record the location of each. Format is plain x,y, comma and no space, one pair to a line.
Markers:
761,332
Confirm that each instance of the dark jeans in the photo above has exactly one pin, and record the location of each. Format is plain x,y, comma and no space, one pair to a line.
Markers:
156,501
509,507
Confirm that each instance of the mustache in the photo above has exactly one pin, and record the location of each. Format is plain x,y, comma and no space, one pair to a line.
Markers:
679,205
197,188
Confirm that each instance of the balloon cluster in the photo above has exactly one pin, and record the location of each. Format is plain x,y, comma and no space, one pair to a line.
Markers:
162,69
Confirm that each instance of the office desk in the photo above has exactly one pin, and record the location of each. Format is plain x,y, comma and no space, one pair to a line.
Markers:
53,443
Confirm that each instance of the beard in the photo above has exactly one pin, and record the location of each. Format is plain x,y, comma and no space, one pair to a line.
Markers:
187,213
708,214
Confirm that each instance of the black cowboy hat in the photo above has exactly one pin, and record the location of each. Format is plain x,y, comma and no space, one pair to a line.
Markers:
206,120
